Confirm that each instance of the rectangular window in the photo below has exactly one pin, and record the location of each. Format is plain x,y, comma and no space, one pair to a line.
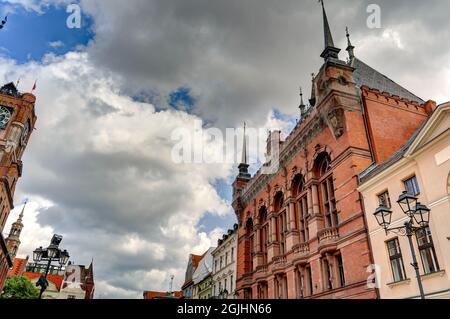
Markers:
341,270
384,200
231,283
329,203
232,254
310,280
395,257
327,273
221,262
215,265
427,252
226,258
303,219
412,186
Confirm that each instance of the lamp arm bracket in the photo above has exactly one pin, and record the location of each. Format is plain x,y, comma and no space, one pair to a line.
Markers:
401,231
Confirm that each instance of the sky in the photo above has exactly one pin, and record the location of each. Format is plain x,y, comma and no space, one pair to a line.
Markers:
98,169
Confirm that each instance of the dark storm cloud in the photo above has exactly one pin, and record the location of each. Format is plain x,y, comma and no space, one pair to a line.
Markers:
243,58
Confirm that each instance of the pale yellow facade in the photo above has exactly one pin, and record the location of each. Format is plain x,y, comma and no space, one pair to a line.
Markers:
427,158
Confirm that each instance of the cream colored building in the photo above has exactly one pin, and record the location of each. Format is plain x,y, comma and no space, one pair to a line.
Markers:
224,266
421,167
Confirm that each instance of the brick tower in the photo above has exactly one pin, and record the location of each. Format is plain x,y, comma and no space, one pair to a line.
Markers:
302,232
13,239
17,121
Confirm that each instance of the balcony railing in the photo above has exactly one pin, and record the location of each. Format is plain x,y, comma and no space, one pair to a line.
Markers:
261,272
328,235
279,262
301,250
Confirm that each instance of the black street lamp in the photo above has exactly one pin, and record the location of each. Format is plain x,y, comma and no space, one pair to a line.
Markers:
417,213
50,254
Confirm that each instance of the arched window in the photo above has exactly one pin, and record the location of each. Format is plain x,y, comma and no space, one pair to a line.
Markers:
264,237
301,207
322,165
327,198
281,221
278,201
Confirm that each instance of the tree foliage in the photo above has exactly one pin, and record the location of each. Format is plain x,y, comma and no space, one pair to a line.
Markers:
19,288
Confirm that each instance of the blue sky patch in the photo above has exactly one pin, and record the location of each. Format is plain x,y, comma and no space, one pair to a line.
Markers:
29,35
182,99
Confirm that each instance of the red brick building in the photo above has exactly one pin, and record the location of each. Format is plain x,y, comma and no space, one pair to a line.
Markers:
302,232
18,268
17,121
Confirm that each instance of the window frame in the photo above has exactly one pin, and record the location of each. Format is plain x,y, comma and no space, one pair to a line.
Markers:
415,185
428,247
386,196
396,257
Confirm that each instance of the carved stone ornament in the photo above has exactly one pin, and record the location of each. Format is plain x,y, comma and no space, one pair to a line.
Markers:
336,122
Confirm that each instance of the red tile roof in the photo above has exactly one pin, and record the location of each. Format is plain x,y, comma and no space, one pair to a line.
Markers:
56,279
196,259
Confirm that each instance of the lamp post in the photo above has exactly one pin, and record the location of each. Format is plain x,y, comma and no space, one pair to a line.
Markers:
417,214
50,254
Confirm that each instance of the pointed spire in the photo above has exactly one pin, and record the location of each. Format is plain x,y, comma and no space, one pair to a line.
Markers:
244,146
243,166
350,47
312,100
23,210
302,104
330,50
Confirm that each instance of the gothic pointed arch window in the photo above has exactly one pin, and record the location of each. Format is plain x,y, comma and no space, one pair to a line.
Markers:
264,236
327,198
301,207
281,221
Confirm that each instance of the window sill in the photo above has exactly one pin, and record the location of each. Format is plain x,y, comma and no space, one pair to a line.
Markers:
439,273
399,283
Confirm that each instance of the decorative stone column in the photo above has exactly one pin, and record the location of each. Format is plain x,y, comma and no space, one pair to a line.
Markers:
274,246
255,291
271,287
258,256
293,237
315,222
310,205
291,282
291,209
315,200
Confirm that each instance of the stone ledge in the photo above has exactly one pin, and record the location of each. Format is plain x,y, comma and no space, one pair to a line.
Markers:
399,283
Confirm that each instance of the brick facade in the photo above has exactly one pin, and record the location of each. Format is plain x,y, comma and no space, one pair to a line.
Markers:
302,231
17,124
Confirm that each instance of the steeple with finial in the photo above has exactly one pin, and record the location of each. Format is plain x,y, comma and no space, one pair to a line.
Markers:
13,240
312,100
243,166
350,47
302,106
330,51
